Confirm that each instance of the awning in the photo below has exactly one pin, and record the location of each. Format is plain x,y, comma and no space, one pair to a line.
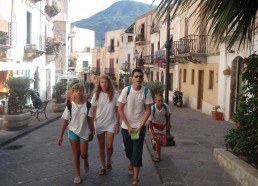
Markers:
13,66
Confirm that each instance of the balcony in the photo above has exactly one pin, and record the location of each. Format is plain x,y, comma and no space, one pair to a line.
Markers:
192,48
36,48
4,43
110,71
111,48
52,10
139,39
95,71
149,60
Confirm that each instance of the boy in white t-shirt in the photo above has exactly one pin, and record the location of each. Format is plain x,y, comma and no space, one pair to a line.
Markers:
159,122
134,109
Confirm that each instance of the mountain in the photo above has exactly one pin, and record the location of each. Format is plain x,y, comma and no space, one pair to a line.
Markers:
119,15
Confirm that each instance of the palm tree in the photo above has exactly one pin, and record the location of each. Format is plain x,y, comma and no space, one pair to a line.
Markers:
229,21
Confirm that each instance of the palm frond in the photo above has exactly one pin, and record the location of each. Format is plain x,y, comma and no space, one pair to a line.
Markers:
229,21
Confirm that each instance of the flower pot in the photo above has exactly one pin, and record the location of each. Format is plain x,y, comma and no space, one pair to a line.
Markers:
58,107
16,122
217,115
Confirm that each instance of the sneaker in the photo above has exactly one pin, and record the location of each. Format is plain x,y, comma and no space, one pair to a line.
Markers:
130,169
77,180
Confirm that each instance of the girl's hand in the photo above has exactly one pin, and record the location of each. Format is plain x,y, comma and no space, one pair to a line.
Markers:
90,137
60,140
117,128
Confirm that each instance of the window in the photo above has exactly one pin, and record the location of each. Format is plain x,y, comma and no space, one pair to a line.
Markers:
211,79
116,61
157,76
151,76
117,43
192,80
130,38
122,39
158,45
85,64
184,76
162,77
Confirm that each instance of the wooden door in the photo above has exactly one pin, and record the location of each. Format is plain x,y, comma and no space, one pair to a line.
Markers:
200,89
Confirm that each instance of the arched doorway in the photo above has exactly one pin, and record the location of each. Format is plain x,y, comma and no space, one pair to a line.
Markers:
236,83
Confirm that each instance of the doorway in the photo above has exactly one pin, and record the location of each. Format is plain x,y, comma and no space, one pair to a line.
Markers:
200,89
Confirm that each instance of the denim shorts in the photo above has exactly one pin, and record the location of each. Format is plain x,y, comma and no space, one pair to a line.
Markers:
72,135
134,148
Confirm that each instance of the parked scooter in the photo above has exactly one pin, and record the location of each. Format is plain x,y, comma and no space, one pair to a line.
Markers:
178,98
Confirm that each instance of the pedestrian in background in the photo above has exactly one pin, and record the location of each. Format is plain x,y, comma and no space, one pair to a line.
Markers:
80,130
134,109
106,120
159,122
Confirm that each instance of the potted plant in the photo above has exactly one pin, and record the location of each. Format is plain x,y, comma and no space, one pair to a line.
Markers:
242,141
18,91
3,38
216,115
59,96
141,62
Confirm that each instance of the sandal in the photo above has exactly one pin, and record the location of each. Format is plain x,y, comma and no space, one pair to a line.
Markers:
102,172
153,142
109,167
157,159
77,180
135,182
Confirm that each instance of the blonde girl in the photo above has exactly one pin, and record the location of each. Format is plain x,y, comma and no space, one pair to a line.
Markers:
106,119
80,129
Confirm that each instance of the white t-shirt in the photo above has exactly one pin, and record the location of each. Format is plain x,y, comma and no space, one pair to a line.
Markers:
105,119
78,124
134,108
159,117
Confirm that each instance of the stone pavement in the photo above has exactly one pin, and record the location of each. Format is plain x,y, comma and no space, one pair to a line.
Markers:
33,158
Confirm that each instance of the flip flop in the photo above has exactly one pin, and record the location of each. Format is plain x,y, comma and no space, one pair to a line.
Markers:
102,172
157,159
109,167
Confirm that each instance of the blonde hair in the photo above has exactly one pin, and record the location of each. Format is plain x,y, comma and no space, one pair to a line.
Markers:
110,88
78,86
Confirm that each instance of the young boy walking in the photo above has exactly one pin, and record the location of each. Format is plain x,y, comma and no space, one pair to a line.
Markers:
134,109
159,122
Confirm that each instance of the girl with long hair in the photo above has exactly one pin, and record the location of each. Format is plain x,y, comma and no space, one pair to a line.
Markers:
106,119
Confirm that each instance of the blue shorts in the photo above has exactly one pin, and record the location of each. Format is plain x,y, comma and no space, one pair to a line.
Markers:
72,135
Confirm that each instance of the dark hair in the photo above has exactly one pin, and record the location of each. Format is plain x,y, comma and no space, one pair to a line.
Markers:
159,94
137,70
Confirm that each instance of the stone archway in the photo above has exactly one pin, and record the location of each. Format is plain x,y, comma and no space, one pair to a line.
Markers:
236,83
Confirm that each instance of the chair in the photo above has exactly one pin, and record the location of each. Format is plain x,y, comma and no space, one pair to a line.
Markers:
40,110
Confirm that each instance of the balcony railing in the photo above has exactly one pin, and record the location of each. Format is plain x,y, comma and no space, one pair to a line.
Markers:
149,60
191,44
109,71
95,70
52,10
139,37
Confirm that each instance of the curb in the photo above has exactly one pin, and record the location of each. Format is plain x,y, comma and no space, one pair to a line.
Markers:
28,130
165,167
241,171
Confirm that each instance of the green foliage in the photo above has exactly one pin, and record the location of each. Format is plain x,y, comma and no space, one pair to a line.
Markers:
243,140
18,91
59,92
3,37
155,87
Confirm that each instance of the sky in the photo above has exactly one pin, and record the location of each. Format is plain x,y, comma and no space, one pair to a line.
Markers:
82,9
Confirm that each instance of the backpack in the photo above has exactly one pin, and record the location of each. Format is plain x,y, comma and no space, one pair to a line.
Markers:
69,107
163,105
145,90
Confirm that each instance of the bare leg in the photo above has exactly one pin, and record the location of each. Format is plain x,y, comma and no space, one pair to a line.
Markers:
84,153
109,146
76,156
136,171
101,141
158,146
